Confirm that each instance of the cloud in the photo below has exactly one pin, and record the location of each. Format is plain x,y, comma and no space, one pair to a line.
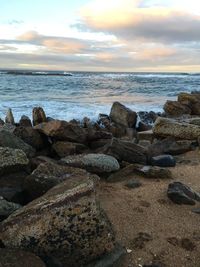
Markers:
130,19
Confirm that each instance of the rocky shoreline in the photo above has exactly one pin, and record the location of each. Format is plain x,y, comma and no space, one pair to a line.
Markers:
51,171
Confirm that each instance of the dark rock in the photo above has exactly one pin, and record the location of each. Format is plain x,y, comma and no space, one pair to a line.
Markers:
12,160
182,194
99,143
64,148
95,163
163,161
170,146
31,137
1,122
25,121
133,183
147,117
66,223
9,117
143,127
126,151
123,115
104,120
197,211
153,172
122,174
35,162
63,131
46,176
19,258
93,135
174,108
39,116
10,140
7,208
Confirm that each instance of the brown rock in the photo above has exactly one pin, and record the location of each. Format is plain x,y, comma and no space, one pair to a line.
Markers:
167,127
175,108
123,115
64,148
126,151
9,117
25,121
19,258
38,116
192,101
66,223
63,131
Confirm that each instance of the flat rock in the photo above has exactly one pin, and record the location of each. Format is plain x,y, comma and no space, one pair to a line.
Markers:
123,115
167,127
163,161
19,258
66,223
46,176
96,163
63,131
8,139
153,172
180,193
12,160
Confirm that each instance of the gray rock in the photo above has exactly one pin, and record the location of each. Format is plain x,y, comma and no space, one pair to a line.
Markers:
7,208
25,121
19,258
123,115
96,163
133,184
8,139
163,161
180,193
66,223
9,117
12,160
153,172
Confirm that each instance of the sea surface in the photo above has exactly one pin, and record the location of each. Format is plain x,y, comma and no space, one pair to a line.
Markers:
79,94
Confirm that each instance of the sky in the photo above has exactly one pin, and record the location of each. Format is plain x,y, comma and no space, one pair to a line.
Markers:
100,35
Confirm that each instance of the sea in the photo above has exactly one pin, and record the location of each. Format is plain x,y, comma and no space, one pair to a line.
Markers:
77,95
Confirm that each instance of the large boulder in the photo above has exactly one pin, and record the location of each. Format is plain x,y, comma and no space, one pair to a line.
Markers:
96,163
46,176
174,108
12,160
167,127
8,139
67,223
123,115
126,151
39,115
30,136
63,131
192,101
19,258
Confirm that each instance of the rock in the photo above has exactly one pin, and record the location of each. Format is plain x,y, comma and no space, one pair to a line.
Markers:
192,101
180,193
9,117
8,127
170,146
96,163
163,161
147,117
123,115
94,135
7,208
63,131
153,172
99,143
8,139
12,160
25,121
122,174
112,259
64,149
39,116
126,151
104,120
66,223
143,127
144,143
146,135
46,176
19,258
174,108
167,127
133,183
11,187
1,122
30,136
35,162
